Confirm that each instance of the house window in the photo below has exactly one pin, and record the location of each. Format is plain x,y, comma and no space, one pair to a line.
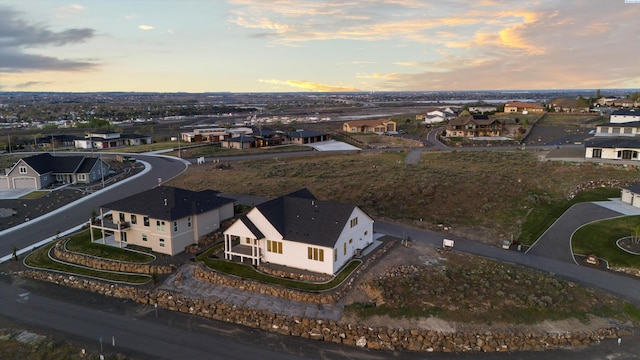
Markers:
175,226
121,217
123,236
134,219
22,169
366,232
144,237
274,246
247,240
161,242
189,221
160,225
344,246
354,222
82,177
350,241
315,254
335,255
596,153
146,220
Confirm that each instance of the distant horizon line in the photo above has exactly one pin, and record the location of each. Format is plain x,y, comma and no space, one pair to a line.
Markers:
317,92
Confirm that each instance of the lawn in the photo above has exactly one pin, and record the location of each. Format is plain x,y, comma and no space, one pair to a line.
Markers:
35,195
599,238
248,272
543,216
39,259
81,243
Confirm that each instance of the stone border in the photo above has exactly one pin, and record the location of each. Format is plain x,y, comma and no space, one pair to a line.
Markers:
623,249
60,252
363,336
331,296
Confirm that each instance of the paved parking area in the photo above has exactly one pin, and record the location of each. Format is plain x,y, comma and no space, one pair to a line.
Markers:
14,193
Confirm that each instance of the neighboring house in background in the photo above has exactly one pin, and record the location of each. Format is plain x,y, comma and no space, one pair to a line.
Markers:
631,195
447,113
216,134
299,231
57,141
483,109
42,170
378,126
474,126
625,116
108,140
164,219
627,103
523,107
239,143
302,137
619,129
568,105
613,149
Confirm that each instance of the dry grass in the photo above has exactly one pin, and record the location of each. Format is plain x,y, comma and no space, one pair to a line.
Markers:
488,194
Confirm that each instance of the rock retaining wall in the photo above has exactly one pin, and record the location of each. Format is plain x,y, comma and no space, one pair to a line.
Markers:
353,335
326,297
60,253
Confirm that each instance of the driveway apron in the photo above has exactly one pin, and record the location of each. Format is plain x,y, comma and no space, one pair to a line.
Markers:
555,243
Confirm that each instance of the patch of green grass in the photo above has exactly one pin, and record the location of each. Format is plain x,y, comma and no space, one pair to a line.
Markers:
248,272
35,195
599,238
544,215
39,259
81,243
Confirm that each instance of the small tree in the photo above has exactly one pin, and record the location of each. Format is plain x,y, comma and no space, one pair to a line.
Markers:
635,237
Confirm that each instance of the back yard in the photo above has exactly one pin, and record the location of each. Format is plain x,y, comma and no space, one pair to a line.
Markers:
484,195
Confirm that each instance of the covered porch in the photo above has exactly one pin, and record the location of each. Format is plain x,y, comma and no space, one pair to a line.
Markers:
112,233
244,248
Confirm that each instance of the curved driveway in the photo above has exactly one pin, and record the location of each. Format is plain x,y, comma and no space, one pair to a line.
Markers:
555,243
26,235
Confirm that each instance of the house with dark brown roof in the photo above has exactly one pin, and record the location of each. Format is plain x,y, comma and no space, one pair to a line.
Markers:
299,231
42,170
568,105
165,219
523,107
474,126
369,126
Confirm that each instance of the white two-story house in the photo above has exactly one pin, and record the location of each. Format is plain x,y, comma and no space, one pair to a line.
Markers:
300,231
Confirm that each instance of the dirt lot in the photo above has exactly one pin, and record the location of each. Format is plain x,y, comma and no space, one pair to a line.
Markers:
418,255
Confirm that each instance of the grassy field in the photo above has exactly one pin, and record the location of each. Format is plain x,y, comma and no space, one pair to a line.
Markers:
599,238
217,151
485,195
478,290
566,119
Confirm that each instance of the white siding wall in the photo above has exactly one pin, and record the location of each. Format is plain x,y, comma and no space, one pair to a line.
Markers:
627,196
361,236
618,119
295,255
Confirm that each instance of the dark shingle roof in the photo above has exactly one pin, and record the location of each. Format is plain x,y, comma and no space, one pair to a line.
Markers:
305,134
180,203
87,165
300,217
627,112
633,188
633,124
615,143
44,163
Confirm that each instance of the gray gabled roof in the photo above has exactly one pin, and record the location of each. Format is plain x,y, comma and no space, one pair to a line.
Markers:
305,134
45,163
169,203
633,188
300,217
632,124
86,165
631,143
627,112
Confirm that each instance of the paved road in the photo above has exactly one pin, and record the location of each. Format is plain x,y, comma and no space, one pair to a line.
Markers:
555,243
623,286
67,217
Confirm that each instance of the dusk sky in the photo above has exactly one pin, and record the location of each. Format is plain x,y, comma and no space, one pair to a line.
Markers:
307,45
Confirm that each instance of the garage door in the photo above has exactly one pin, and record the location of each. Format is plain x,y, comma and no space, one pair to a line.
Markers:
4,183
24,183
